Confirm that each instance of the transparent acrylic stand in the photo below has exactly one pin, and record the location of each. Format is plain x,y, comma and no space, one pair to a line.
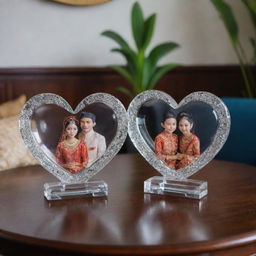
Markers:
164,185
60,190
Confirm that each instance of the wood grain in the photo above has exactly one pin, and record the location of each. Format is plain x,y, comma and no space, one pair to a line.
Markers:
129,222
76,83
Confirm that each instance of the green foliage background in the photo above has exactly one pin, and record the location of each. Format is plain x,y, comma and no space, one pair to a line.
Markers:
142,70
229,20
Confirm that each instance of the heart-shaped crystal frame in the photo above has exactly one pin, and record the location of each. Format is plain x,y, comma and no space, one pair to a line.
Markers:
49,163
218,140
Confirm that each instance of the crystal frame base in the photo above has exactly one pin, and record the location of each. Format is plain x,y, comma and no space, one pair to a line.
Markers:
163,185
60,190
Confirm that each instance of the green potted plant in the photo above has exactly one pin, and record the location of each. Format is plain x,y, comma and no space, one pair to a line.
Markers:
142,70
242,110
229,20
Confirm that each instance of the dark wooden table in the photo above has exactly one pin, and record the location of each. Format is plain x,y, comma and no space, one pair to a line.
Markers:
129,222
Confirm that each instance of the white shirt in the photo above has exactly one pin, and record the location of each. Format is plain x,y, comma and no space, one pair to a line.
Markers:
96,145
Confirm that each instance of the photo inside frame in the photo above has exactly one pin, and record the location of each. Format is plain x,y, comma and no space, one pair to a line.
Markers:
47,124
151,115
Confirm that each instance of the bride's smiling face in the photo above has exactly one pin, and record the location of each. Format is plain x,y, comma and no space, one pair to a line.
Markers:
71,130
185,126
169,125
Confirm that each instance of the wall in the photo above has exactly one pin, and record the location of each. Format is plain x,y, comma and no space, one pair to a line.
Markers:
41,33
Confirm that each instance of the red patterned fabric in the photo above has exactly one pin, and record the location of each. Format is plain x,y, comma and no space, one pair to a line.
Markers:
191,150
73,159
166,144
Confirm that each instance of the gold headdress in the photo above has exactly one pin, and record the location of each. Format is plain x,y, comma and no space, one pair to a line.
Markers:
68,120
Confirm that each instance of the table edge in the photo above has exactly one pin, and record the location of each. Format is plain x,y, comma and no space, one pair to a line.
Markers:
193,247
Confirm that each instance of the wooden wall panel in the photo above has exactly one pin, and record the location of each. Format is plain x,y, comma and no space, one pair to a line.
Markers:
75,83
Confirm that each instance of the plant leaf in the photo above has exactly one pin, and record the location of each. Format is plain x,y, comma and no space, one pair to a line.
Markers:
251,6
148,70
228,18
124,73
160,51
137,24
130,57
253,43
117,38
161,71
148,30
125,91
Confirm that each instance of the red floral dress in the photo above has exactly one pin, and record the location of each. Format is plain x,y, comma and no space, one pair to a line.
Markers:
72,155
190,148
166,144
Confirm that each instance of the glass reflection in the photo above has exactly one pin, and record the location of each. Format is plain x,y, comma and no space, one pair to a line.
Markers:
177,221
81,220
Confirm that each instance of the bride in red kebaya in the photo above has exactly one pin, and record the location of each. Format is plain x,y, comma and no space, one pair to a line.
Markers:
189,143
166,143
71,153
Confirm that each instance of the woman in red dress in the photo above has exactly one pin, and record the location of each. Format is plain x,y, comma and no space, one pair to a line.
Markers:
71,153
189,143
166,143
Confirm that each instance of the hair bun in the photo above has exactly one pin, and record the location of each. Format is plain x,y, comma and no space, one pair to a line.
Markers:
185,114
169,114
70,119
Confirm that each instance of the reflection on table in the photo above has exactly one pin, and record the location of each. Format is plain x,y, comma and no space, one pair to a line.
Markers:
129,221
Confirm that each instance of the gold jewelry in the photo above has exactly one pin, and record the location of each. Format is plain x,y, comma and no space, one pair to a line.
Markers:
71,144
187,139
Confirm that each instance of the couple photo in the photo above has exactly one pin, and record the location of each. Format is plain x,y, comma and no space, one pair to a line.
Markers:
177,151
79,145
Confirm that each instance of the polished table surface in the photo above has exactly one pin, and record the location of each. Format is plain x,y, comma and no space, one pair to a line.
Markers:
129,222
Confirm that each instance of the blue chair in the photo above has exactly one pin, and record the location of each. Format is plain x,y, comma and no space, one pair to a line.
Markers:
241,143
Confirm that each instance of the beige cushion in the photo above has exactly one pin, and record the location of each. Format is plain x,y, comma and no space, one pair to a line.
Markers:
12,149
12,107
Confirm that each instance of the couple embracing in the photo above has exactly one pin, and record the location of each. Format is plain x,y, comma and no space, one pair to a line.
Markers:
79,145
177,151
